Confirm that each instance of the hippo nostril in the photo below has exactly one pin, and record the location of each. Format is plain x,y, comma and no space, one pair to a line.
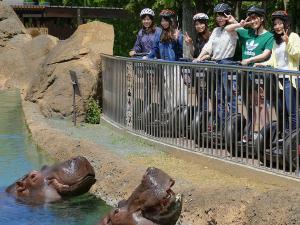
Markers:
116,211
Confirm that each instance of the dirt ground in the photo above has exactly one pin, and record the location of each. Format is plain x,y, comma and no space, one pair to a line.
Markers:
214,192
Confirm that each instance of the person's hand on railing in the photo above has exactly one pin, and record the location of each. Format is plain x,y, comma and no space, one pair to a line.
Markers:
245,62
143,55
203,58
196,60
261,65
132,53
258,65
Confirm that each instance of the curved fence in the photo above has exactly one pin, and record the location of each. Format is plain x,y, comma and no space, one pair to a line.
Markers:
243,114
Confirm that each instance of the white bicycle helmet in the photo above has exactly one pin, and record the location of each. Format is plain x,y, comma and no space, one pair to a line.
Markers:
200,16
147,11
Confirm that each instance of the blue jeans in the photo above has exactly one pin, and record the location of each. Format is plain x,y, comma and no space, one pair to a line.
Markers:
226,94
290,94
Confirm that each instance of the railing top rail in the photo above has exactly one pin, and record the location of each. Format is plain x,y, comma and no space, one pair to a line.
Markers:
206,65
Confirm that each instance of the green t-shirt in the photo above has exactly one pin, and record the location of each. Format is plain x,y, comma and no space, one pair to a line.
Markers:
252,44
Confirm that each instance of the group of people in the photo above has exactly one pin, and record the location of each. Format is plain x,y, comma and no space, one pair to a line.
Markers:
279,49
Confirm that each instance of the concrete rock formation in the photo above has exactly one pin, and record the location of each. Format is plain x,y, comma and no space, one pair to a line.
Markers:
10,25
40,66
52,89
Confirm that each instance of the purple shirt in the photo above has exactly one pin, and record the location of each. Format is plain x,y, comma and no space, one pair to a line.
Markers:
145,41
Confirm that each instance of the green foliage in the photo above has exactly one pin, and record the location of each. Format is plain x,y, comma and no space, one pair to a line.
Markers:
126,29
125,34
93,112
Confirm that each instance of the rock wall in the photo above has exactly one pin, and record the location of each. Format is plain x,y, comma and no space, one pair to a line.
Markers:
40,66
52,89
10,25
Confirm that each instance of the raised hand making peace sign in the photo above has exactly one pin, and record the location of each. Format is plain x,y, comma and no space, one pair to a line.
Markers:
188,40
285,36
246,22
230,18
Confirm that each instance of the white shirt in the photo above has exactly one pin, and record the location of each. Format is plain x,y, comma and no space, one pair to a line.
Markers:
281,56
221,44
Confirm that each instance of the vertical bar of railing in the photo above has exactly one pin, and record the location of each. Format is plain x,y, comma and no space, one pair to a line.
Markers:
176,107
259,103
243,101
271,120
268,122
112,94
253,115
290,123
119,90
162,77
284,126
297,125
123,93
229,114
224,106
235,95
277,111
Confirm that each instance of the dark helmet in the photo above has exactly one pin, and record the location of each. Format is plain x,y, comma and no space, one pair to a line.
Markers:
280,15
167,13
222,8
258,11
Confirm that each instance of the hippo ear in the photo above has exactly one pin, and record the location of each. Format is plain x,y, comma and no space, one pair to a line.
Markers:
20,186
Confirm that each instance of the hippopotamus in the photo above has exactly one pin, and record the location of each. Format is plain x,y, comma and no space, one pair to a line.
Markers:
52,183
153,202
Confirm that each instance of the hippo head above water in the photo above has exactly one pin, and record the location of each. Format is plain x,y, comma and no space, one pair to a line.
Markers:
70,178
152,202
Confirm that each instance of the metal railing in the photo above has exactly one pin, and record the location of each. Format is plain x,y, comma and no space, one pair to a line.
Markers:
243,114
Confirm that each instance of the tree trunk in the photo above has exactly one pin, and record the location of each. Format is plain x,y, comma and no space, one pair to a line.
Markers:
294,8
237,9
187,23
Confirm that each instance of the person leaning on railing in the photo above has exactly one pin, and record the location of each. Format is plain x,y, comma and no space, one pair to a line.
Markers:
257,44
202,36
221,44
146,36
221,47
168,45
286,56
256,41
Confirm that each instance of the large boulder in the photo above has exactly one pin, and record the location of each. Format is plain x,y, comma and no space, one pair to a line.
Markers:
10,25
22,58
52,88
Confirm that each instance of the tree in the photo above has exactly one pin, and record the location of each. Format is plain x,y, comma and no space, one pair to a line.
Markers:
126,30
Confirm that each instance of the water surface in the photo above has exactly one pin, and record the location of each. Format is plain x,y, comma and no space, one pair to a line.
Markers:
18,155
